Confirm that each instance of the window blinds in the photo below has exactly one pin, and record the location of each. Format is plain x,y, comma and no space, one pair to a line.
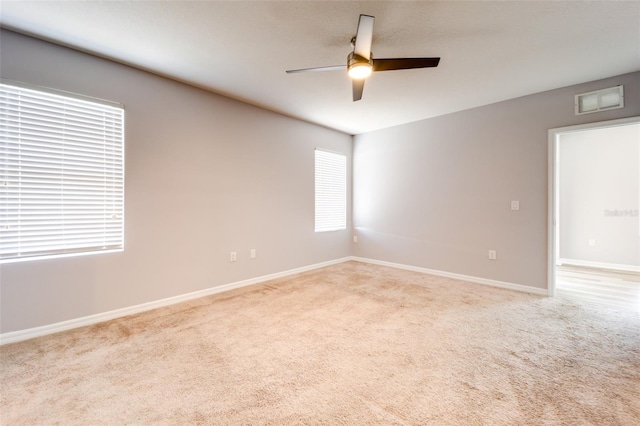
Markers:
330,191
62,175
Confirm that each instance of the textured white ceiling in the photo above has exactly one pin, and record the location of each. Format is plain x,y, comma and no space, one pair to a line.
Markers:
491,51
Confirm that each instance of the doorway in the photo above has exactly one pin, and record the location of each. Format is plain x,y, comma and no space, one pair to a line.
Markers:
594,198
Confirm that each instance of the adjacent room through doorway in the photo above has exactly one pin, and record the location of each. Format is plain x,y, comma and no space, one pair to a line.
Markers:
596,253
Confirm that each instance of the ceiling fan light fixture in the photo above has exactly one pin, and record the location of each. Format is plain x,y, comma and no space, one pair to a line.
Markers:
358,67
360,71
360,62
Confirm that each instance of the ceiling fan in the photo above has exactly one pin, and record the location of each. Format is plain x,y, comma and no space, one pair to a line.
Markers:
360,62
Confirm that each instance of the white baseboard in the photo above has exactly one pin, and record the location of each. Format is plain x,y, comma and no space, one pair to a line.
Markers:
477,280
602,265
20,335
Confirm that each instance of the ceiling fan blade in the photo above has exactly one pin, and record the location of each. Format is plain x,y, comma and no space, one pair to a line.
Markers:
331,68
404,63
358,88
364,37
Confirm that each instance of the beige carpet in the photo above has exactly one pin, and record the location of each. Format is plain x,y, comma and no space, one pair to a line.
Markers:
349,344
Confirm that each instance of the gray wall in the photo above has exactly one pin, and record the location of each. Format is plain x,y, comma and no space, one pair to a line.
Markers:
599,174
204,175
436,193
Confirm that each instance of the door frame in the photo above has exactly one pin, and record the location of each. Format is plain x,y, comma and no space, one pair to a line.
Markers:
553,182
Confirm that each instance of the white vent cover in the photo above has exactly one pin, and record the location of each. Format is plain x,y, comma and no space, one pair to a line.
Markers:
600,100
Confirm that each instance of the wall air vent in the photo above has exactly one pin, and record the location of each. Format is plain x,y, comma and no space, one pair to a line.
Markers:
600,100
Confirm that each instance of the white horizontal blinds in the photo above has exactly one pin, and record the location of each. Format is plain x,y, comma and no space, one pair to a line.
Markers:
331,191
62,177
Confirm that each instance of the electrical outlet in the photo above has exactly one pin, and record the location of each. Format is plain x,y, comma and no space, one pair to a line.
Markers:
592,243
492,255
233,256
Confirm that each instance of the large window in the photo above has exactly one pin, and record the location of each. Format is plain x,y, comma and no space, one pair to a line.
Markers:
331,191
61,174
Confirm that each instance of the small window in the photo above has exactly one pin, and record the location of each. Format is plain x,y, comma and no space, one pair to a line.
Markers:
61,174
331,191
